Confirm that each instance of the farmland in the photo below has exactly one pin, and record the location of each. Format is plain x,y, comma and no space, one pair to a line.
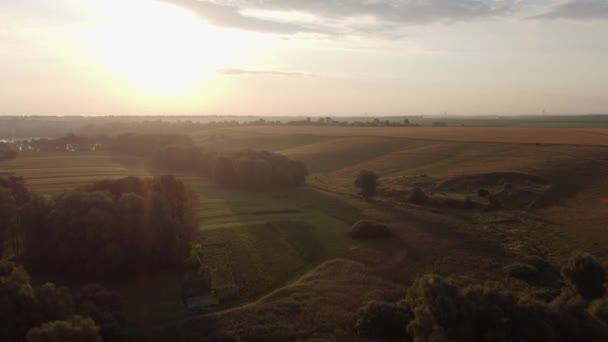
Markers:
271,252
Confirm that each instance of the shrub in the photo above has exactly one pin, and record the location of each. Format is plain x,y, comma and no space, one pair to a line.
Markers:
417,196
369,230
446,310
585,274
76,329
384,321
521,270
367,183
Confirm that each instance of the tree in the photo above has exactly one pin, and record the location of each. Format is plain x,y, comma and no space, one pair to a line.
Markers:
367,183
17,302
585,275
76,329
104,306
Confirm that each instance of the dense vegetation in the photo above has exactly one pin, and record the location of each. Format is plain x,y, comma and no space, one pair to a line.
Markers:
112,227
250,169
439,308
52,313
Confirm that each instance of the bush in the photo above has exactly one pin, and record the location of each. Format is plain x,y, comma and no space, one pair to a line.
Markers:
585,275
367,183
384,321
521,270
446,310
76,329
417,196
370,230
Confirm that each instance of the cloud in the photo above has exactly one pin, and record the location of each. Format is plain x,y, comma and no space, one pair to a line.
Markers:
340,17
241,72
229,16
577,9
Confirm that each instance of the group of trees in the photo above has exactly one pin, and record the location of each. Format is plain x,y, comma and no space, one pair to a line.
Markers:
327,121
49,312
245,169
250,169
14,196
109,228
443,309
7,152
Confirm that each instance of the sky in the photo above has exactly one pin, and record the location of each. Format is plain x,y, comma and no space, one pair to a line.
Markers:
303,57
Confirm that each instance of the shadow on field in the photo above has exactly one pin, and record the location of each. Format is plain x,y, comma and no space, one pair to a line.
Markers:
570,178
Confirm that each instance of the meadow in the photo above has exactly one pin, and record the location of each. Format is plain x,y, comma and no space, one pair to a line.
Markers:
274,252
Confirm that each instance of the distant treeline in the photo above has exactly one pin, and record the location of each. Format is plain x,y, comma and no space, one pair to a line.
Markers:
245,169
107,229
171,126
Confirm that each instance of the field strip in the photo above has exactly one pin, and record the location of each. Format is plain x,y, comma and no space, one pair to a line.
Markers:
554,136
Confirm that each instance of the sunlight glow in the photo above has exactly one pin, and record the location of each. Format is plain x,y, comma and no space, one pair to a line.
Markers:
162,49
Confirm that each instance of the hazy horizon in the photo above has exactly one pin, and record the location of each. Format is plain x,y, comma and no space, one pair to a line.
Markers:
303,58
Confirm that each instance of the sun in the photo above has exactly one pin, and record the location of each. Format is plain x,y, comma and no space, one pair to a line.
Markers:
161,49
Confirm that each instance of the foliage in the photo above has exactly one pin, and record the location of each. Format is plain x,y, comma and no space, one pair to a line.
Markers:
103,306
384,321
13,196
370,230
447,310
585,274
113,227
49,307
367,183
75,329
261,169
